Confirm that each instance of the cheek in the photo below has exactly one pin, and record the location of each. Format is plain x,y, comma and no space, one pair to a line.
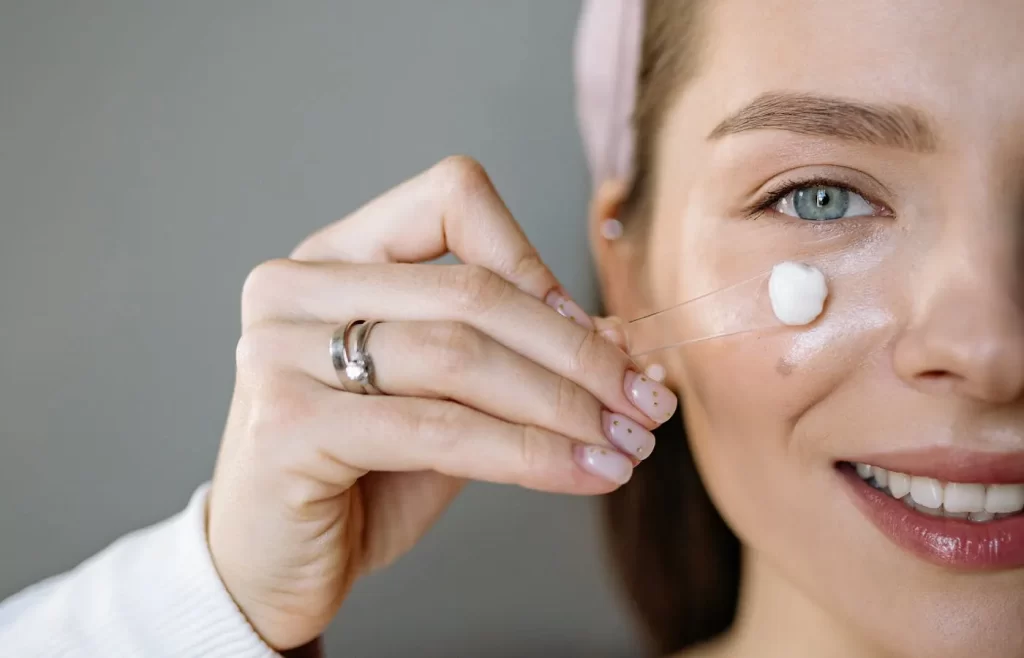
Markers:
759,412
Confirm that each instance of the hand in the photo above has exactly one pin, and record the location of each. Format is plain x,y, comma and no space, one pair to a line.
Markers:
481,379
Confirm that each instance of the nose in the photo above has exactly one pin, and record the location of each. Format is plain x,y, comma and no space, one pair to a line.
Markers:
966,336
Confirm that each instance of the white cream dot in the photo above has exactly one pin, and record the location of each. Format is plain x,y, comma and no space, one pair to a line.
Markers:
798,292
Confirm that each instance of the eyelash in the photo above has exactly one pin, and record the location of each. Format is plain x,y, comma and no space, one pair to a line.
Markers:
779,192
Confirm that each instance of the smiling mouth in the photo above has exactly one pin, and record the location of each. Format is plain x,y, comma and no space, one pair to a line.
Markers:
959,510
976,502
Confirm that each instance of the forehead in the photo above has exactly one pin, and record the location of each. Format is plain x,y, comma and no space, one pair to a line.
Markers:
951,58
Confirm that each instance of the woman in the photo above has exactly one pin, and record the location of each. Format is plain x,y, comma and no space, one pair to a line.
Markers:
870,465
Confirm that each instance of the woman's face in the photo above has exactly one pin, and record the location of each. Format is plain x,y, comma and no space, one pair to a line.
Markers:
885,141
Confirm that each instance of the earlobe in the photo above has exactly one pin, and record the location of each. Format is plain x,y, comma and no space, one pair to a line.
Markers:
605,208
612,252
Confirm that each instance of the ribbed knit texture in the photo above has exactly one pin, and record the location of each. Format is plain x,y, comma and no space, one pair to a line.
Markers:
154,593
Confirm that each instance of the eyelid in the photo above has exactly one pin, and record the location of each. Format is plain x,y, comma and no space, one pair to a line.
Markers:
854,180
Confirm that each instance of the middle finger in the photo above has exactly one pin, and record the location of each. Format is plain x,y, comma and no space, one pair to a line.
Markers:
454,361
332,293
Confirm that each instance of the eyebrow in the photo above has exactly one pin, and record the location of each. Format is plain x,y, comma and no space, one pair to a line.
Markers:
896,126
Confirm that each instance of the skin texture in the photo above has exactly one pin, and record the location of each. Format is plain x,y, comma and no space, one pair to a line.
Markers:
922,343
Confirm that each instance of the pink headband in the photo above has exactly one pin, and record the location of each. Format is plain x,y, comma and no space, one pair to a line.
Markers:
607,53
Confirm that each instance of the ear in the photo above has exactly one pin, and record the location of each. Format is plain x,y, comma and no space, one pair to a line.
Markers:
617,259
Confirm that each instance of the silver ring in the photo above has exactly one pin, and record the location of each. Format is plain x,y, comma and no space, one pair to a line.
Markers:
354,367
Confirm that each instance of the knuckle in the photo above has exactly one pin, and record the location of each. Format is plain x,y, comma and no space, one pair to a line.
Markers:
528,266
585,353
461,174
254,348
278,412
475,289
438,427
263,281
568,403
453,347
534,449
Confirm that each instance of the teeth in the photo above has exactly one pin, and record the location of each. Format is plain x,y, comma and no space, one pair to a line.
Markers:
1004,498
899,484
964,497
974,502
926,492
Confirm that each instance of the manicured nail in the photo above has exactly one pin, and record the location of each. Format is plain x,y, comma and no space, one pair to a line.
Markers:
561,302
650,397
656,371
605,463
611,229
627,435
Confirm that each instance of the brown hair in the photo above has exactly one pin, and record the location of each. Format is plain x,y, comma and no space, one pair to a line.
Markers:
678,560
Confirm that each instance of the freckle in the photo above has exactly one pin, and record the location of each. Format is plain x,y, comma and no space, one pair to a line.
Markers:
784,367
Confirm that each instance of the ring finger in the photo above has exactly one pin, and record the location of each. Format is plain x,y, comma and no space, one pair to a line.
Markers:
455,361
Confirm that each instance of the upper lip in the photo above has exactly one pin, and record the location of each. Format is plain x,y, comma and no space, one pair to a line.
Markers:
952,464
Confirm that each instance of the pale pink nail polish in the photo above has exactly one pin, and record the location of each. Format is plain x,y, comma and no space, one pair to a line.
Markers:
627,435
650,397
561,302
605,463
611,229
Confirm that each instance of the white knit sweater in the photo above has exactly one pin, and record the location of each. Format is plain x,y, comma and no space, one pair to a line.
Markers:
152,593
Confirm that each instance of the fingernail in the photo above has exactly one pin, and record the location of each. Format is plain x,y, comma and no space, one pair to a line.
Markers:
611,229
650,397
561,302
627,435
656,371
604,463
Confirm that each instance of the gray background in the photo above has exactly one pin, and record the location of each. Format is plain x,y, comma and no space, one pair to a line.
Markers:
151,153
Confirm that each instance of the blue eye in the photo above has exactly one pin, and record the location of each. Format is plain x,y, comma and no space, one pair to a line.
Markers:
822,203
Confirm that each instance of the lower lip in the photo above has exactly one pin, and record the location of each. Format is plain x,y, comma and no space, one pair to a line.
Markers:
951,543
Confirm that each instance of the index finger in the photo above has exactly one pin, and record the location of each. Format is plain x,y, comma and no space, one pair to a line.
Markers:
450,208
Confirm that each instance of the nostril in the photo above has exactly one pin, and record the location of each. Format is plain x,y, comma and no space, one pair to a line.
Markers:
938,382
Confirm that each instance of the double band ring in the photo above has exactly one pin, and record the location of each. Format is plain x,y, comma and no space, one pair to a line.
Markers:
354,366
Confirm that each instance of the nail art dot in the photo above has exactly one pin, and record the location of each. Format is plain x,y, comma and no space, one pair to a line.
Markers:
655,404
642,378
655,393
615,423
640,452
629,431
561,308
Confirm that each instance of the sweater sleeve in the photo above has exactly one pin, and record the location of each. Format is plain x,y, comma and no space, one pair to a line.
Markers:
152,593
